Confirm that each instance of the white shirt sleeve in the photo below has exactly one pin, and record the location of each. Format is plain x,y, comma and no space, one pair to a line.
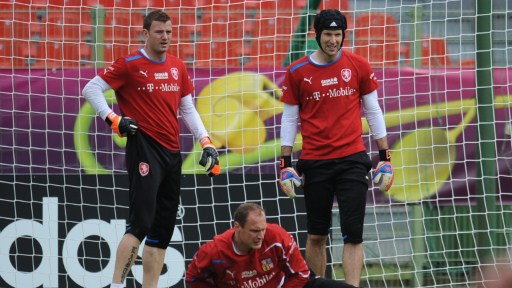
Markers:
289,124
373,114
191,117
93,93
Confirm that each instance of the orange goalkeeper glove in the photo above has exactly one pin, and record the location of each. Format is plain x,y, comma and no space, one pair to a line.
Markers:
210,157
123,126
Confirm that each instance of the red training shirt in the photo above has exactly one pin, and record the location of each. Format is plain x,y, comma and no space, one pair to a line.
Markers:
329,99
150,92
216,264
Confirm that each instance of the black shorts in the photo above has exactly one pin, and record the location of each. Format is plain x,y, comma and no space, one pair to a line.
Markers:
154,173
344,178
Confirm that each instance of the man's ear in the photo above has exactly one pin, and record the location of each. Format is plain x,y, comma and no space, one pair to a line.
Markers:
236,225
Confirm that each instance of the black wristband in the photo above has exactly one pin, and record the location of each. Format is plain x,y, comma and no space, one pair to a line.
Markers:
109,123
286,161
385,155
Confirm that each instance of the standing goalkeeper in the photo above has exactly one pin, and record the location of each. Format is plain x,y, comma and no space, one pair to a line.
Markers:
327,89
150,87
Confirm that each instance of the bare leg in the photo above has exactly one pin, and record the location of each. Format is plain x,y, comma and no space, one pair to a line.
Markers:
152,263
126,255
353,257
316,257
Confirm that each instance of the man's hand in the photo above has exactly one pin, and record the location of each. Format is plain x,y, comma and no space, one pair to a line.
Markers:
210,157
288,179
383,174
123,126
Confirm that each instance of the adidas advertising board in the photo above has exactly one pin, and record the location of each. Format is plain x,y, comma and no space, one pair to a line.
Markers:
63,230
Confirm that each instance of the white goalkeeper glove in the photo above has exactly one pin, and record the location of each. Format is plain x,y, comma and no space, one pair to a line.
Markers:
289,179
383,175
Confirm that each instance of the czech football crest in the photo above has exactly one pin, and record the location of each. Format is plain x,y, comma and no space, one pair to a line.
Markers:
267,264
143,168
174,73
346,74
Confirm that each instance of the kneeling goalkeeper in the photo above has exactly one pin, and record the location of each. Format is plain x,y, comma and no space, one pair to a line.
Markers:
253,253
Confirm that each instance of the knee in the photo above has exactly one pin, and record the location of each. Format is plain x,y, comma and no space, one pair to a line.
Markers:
140,232
317,240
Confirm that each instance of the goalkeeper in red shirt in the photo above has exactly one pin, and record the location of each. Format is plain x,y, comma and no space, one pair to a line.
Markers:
150,86
327,91
253,253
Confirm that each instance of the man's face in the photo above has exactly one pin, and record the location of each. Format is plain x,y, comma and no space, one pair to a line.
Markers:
331,41
158,37
251,235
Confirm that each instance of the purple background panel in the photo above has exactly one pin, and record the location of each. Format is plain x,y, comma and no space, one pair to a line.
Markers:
38,109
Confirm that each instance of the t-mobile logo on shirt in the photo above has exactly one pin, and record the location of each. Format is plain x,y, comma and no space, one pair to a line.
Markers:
259,281
331,93
166,87
346,91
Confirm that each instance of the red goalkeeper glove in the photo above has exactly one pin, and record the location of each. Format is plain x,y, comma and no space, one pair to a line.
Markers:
123,126
210,157
383,174
289,179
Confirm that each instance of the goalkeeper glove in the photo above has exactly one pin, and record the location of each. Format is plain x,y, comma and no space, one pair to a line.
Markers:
289,179
210,157
384,173
123,126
